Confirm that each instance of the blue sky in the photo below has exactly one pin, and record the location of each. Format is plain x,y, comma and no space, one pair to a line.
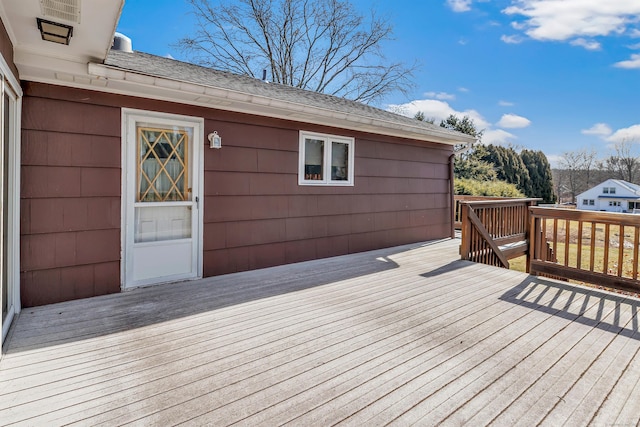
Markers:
550,75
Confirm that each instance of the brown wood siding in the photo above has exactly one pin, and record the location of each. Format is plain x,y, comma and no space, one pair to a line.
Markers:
70,200
255,213
6,49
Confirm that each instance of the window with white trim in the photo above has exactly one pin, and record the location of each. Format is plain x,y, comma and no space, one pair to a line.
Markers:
325,159
615,204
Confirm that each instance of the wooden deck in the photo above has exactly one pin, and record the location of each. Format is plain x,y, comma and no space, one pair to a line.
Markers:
408,335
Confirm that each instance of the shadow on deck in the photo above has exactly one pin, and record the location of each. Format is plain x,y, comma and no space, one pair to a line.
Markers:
588,306
407,336
88,318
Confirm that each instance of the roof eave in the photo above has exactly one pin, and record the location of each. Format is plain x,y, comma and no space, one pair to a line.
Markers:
117,80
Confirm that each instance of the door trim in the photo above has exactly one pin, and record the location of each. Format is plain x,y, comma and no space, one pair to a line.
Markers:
8,80
126,208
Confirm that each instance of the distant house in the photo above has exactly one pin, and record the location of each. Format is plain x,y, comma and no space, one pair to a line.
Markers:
120,169
612,195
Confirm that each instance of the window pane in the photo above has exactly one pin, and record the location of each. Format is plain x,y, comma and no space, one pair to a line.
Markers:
339,161
162,156
313,159
156,223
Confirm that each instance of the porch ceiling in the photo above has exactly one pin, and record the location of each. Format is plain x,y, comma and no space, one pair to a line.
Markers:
91,40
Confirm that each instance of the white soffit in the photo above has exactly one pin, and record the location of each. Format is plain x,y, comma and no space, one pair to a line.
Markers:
93,21
66,10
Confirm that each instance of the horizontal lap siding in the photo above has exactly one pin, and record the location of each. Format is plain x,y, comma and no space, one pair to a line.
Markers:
255,213
70,200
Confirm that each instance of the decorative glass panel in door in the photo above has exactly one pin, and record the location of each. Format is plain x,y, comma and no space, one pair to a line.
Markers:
162,198
163,176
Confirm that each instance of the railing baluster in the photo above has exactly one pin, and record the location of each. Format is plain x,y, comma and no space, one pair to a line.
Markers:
636,243
620,250
606,249
555,236
567,235
593,246
579,253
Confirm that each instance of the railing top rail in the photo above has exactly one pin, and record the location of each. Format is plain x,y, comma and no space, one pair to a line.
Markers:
484,203
586,216
466,197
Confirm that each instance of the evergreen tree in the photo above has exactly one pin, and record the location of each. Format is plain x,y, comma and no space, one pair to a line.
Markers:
464,125
540,175
509,166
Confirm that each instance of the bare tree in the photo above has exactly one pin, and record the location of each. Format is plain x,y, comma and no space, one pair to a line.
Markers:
624,163
577,170
320,45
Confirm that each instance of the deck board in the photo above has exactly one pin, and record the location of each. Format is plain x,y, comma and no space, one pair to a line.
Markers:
397,336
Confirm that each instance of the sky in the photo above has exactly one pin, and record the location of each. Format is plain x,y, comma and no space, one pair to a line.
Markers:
549,75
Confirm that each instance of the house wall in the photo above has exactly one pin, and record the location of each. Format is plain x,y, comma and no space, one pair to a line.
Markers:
601,202
255,213
6,48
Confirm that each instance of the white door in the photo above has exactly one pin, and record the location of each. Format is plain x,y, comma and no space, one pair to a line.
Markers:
162,197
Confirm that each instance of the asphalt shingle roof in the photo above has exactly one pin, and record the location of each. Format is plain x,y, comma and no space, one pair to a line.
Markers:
158,66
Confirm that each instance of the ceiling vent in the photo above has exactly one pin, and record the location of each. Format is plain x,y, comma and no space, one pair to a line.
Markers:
67,10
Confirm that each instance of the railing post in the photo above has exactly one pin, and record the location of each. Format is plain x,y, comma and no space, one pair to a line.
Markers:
465,247
534,225
452,199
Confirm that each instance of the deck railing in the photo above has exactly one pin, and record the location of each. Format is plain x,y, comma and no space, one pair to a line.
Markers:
457,207
495,231
594,247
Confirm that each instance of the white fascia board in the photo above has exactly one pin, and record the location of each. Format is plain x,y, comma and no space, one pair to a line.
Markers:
137,84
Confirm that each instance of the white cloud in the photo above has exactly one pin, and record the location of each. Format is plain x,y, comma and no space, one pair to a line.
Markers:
463,89
440,95
439,110
459,5
601,130
555,160
587,44
633,62
497,137
505,103
515,39
634,46
632,134
513,121
168,55
566,19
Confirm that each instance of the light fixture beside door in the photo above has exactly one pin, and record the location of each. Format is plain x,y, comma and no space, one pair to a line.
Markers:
215,140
